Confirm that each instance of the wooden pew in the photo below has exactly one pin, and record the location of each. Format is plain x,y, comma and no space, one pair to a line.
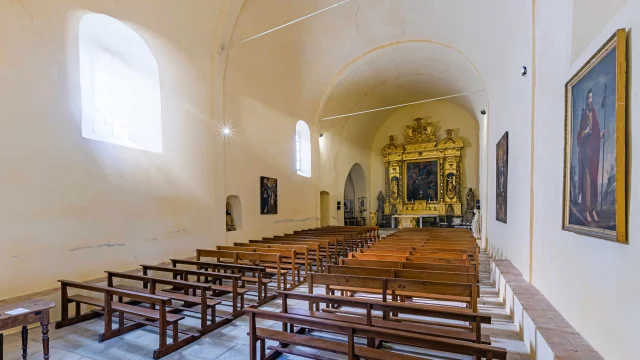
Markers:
150,286
400,310
436,254
237,293
332,249
434,260
445,291
318,249
288,259
409,265
238,269
253,258
160,318
465,278
350,348
302,252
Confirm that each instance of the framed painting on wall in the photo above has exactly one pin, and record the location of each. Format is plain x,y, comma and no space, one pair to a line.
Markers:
594,202
268,195
502,177
421,180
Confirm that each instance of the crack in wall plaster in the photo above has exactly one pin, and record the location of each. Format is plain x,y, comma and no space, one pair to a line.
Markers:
95,247
355,40
55,59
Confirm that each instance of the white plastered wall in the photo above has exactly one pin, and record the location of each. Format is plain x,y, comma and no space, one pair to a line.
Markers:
592,282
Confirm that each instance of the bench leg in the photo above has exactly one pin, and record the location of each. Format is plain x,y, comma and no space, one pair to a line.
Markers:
175,333
263,350
25,339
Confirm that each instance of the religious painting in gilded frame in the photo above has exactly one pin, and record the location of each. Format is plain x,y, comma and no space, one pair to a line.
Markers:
502,177
594,198
268,195
421,180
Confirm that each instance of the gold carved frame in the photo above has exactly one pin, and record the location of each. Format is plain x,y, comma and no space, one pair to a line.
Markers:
421,145
616,41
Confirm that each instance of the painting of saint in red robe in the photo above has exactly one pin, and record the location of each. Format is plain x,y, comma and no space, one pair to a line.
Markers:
594,196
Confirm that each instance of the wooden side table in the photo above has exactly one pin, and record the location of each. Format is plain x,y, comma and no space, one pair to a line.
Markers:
24,314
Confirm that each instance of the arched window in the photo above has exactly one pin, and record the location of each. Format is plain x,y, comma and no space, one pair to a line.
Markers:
119,85
303,149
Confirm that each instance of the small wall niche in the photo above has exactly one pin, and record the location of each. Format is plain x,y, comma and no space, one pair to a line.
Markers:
233,213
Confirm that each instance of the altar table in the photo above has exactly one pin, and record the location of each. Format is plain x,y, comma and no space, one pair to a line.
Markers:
417,216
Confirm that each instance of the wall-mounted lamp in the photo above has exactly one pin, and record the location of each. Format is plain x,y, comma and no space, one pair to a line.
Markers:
524,71
321,134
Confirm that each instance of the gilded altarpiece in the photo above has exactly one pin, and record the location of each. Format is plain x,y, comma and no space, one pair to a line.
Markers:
422,176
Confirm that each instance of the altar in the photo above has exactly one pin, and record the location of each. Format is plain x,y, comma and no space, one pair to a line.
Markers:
410,221
422,176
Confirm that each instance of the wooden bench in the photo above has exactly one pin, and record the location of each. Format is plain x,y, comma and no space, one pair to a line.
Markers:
409,265
351,330
465,278
399,321
252,258
288,260
150,286
237,293
402,288
329,245
408,259
318,249
436,254
159,318
238,269
302,252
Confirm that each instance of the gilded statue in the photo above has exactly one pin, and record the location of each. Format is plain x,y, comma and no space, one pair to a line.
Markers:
231,225
374,218
451,187
395,191
471,199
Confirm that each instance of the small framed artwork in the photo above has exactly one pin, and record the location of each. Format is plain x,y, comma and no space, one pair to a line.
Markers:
268,195
594,199
502,177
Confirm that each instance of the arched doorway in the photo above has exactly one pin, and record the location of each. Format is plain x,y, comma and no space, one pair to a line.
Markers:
354,192
324,208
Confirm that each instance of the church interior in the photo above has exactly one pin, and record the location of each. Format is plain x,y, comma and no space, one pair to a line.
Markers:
318,179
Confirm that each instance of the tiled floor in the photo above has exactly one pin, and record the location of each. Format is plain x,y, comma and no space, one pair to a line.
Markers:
230,342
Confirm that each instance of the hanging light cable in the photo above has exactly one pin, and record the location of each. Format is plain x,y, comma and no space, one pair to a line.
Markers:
294,21
397,106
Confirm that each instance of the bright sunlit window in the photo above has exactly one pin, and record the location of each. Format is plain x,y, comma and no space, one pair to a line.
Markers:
303,149
120,85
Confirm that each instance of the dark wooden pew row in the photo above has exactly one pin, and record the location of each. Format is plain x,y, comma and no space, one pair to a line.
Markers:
351,330
334,247
201,305
237,293
255,272
302,253
250,258
391,315
434,260
137,316
403,288
372,231
288,258
414,252
320,248
409,265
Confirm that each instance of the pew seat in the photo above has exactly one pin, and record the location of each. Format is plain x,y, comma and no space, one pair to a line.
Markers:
125,308
171,294
389,324
452,298
326,345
